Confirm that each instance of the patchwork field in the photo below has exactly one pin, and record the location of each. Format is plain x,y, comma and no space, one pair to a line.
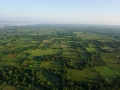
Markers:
112,60
59,57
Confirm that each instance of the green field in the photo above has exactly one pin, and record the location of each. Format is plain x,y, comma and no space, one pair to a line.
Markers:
40,52
106,72
112,60
86,74
51,64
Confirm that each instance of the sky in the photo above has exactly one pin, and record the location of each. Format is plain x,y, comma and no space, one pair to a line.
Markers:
103,12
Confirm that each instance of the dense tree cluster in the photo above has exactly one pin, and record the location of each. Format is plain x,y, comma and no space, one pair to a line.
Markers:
49,58
24,78
91,85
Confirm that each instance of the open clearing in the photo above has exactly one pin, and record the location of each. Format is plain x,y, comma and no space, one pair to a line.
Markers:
51,64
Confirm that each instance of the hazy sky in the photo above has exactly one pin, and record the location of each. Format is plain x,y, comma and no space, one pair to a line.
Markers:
61,11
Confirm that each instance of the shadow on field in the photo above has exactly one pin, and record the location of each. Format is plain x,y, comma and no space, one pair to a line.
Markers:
93,79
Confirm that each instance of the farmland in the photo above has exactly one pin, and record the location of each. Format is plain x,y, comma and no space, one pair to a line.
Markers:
106,72
87,74
61,57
